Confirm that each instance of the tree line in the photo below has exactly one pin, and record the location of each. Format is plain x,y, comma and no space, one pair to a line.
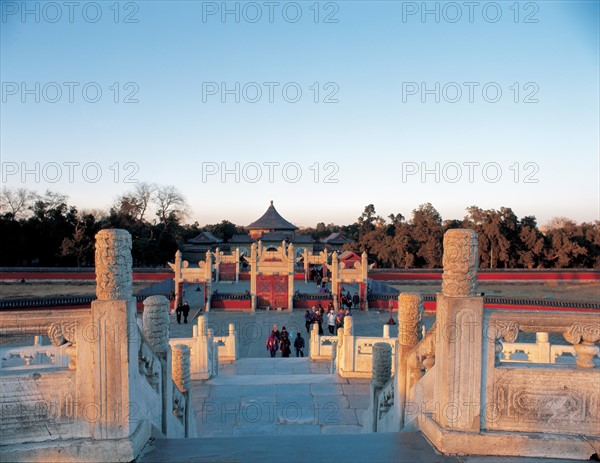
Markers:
44,230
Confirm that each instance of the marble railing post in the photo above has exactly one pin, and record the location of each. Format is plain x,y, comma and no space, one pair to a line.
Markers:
182,379
386,331
584,337
200,357
348,357
410,314
381,374
315,341
459,321
232,342
340,350
108,349
156,326
208,280
213,353
333,365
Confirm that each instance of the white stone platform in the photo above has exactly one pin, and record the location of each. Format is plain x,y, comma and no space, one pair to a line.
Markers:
266,396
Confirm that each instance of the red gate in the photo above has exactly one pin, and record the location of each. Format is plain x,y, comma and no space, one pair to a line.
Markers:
227,271
272,291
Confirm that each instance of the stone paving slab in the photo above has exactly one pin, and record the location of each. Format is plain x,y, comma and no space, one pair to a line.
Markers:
406,447
255,380
255,404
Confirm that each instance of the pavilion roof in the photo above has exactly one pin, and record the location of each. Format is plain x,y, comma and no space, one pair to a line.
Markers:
272,220
241,239
348,255
336,238
278,237
205,238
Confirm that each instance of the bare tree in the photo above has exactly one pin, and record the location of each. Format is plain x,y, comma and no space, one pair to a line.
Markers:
555,223
52,199
17,201
143,193
170,202
135,203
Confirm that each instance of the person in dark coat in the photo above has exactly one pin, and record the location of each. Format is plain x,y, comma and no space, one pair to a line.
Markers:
355,300
299,345
307,320
276,333
178,311
285,345
185,310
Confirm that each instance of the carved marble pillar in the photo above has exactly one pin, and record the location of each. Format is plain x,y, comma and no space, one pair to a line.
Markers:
181,367
156,323
584,338
156,326
460,261
108,348
381,372
382,364
113,265
200,357
348,347
459,339
340,350
182,379
410,314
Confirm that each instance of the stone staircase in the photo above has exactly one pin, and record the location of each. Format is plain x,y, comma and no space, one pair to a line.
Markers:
292,410
278,396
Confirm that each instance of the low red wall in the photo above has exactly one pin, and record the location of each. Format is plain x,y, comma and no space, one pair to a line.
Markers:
482,275
386,275
431,305
137,276
236,304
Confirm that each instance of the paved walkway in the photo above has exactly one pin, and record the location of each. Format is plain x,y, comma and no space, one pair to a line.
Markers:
407,447
257,397
253,329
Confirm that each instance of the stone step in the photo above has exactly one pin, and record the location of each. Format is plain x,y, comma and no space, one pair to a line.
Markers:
397,448
406,447
260,380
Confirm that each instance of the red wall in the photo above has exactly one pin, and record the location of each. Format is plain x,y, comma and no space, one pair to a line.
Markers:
482,275
430,306
237,304
137,276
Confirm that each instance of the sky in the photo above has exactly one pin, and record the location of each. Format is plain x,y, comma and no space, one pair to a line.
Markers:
322,107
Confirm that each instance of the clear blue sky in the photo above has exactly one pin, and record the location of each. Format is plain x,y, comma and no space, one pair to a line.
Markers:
378,63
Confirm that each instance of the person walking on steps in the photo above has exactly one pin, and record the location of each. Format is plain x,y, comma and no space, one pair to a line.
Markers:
185,310
299,345
285,344
272,344
178,311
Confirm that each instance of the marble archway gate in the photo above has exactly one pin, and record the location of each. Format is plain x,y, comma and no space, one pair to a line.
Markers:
272,274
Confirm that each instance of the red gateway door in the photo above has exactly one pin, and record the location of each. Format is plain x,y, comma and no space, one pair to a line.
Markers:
227,271
272,291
